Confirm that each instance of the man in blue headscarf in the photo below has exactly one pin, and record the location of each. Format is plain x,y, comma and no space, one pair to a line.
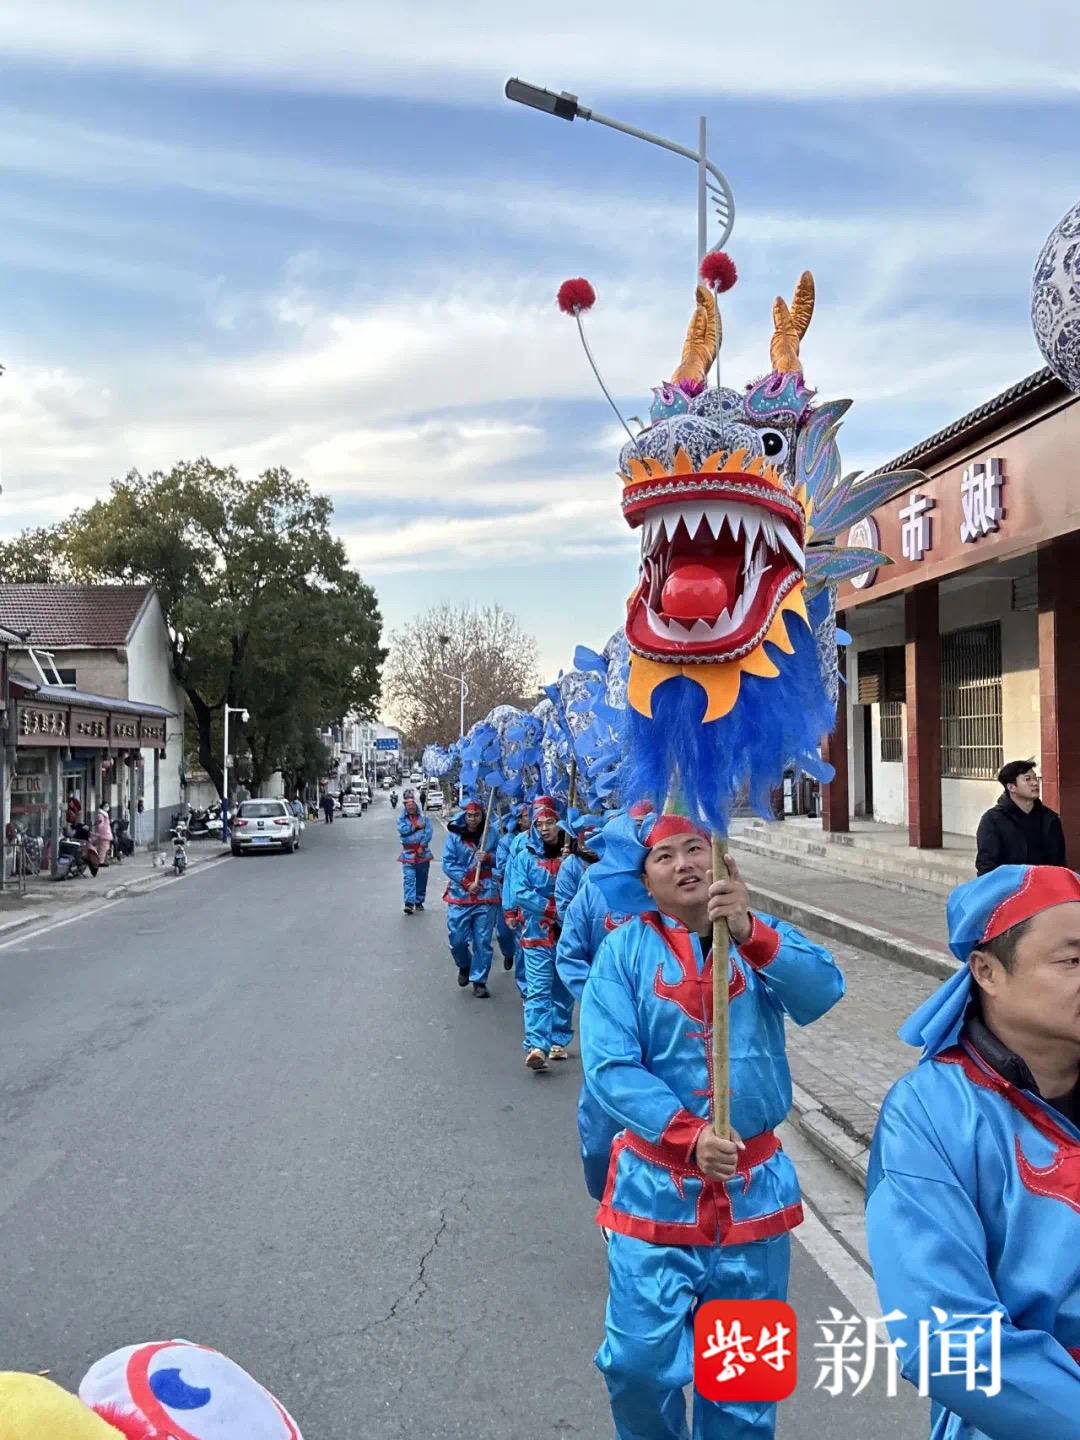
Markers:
682,1234
973,1208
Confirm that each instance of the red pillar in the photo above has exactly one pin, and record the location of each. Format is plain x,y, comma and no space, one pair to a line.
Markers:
835,814
1059,692
922,656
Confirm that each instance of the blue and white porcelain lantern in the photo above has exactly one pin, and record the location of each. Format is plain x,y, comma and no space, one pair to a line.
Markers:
1055,299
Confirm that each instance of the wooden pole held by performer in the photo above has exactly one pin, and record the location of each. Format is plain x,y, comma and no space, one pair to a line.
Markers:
721,940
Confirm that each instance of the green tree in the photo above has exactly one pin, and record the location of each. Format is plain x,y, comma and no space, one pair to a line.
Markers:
261,605
35,557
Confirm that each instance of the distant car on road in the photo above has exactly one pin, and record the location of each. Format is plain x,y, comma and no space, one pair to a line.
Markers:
434,799
350,804
264,825
387,783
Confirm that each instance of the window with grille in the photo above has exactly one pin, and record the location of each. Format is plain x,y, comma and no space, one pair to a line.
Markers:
971,731
892,730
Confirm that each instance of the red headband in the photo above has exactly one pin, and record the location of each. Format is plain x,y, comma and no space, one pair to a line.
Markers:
474,808
1043,887
668,825
544,808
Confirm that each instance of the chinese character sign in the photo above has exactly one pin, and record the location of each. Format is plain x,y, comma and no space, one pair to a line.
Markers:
980,497
916,536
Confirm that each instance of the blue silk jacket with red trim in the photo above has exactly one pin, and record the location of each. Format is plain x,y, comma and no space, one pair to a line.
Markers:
459,867
973,1207
529,889
586,924
646,1047
415,832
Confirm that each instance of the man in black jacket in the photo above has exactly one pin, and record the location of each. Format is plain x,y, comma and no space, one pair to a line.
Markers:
1020,829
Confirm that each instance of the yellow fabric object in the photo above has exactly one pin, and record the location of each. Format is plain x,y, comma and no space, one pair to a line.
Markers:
33,1408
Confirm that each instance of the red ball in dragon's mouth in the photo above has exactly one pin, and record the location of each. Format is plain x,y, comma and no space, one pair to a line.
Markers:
719,552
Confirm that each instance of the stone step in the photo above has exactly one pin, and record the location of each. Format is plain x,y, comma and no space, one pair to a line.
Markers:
892,867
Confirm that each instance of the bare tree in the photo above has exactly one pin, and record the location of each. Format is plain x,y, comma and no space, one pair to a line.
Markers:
487,646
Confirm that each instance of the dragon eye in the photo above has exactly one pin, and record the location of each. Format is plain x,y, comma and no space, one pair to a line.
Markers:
774,444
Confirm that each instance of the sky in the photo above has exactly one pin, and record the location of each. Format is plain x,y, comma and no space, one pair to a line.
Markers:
316,234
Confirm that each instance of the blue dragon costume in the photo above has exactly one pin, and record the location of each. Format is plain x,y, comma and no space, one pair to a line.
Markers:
973,1201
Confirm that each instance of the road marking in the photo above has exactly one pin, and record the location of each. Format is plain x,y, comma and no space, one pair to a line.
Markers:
845,1272
26,935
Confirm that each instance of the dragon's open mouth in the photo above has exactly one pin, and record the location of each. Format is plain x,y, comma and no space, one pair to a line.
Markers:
713,571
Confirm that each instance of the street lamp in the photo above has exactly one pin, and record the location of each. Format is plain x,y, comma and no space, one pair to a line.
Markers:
564,106
229,710
444,641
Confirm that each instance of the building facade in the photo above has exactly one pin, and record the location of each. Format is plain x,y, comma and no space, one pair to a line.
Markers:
108,642
966,651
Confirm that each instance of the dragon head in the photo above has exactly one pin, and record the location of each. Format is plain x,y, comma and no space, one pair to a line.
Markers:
719,487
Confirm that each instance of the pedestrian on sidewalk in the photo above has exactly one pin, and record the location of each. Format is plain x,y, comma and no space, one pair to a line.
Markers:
102,838
328,808
530,888
973,1208
680,1235
415,858
471,895
1019,829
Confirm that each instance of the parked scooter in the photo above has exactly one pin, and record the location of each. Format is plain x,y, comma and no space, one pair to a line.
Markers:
123,844
179,829
74,858
179,858
214,823
198,829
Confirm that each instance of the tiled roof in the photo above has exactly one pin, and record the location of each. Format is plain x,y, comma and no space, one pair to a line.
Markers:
59,615
1039,388
68,695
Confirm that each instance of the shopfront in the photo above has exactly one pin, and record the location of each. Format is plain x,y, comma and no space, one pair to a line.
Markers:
966,650
71,746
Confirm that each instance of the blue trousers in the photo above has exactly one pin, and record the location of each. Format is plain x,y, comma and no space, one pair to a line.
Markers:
470,929
414,882
505,936
647,1358
549,1006
596,1130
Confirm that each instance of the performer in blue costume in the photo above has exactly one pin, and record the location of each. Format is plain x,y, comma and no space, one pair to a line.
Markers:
682,1235
513,824
586,923
973,1210
530,888
576,861
471,895
415,857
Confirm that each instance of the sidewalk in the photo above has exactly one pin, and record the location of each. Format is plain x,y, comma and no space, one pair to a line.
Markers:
47,899
893,952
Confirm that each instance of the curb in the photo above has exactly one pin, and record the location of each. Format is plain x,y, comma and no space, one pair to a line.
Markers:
144,883
851,1153
883,943
8,927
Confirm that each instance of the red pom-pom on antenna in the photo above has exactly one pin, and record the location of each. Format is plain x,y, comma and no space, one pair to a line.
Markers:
576,296
718,271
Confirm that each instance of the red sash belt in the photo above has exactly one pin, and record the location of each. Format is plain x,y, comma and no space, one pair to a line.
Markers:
759,1148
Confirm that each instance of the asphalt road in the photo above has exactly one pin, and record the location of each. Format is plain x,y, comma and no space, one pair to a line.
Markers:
253,1109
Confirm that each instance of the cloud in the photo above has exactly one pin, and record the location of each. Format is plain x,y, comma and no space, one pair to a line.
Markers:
464,53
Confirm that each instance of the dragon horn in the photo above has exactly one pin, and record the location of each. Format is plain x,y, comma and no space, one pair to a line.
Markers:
703,336
789,326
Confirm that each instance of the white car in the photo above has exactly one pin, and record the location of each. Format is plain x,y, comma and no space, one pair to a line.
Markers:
350,804
387,783
434,799
264,825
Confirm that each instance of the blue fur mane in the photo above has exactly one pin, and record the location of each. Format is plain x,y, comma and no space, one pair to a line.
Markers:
775,723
